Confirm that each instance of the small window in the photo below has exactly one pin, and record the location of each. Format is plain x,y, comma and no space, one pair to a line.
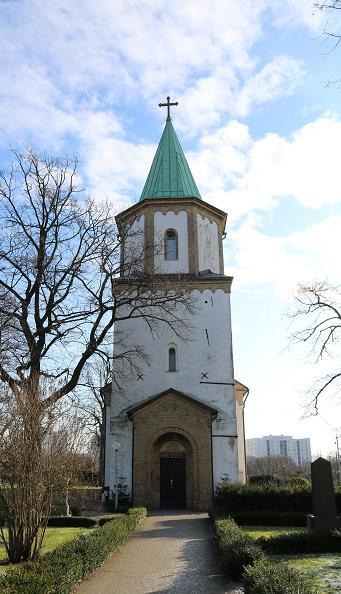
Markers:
171,359
171,245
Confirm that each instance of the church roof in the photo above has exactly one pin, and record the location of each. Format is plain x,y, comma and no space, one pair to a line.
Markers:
169,175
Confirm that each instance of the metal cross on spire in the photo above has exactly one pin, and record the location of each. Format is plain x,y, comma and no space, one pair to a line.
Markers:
168,104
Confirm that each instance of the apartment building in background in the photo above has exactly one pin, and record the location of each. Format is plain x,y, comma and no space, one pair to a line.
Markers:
280,445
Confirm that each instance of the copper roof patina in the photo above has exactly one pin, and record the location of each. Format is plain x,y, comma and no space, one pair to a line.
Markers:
169,175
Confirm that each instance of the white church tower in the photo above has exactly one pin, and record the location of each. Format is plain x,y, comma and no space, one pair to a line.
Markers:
175,428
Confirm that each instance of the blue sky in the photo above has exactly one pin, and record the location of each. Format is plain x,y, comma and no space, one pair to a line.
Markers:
261,130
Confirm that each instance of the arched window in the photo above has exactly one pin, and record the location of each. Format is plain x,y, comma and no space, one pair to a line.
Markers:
171,359
171,245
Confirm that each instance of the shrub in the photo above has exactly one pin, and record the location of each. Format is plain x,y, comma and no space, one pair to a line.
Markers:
301,542
237,549
298,482
233,497
58,571
240,554
245,558
136,511
75,510
103,521
264,496
260,479
72,521
274,578
268,518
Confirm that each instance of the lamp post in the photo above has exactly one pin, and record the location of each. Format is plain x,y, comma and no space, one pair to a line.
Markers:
116,446
338,460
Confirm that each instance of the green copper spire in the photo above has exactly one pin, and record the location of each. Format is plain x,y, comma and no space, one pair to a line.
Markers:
170,175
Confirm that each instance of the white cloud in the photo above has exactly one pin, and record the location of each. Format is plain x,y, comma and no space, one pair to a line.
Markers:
59,59
283,262
117,168
296,13
211,98
241,175
278,78
306,166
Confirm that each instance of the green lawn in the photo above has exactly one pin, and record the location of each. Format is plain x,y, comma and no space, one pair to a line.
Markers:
53,538
259,531
324,569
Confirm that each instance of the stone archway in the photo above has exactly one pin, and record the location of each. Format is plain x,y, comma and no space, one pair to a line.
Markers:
172,452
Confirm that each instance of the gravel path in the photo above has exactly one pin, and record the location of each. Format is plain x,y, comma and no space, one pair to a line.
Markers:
170,552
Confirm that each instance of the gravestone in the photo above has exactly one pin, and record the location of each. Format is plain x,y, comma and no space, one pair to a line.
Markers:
324,516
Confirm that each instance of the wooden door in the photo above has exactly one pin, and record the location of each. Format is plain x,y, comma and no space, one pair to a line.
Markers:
173,482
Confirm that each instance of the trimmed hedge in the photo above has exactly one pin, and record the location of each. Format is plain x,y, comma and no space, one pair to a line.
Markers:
58,571
237,548
264,496
267,518
72,522
244,559
301,542
137,511
233,497
265,577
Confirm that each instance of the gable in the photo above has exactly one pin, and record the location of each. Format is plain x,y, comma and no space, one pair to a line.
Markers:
172,394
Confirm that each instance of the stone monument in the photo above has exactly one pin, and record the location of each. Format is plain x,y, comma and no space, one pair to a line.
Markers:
324,516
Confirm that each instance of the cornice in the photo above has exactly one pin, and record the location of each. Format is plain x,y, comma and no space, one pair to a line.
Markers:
176,205
191,282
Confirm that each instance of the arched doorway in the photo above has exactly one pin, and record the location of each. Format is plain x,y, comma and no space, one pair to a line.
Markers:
173,471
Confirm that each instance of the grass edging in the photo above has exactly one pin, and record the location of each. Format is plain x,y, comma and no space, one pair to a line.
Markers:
244,559
58,571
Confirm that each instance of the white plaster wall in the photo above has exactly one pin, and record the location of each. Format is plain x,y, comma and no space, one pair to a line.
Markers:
208,244
134,246
209,353
178,222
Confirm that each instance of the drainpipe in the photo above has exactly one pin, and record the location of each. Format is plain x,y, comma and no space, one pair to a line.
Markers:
244,402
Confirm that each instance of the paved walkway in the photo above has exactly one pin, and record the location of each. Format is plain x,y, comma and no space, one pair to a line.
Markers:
171,553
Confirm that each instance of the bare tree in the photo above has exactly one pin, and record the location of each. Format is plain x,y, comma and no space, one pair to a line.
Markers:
90,402
37,447
328,8
317,316
60,295
59,269
280,467
332,27
70,461
98,377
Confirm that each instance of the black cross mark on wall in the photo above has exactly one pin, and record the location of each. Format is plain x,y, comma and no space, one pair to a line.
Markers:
140,376
204,375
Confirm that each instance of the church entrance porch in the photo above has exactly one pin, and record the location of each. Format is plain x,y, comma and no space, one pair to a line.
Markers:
172,452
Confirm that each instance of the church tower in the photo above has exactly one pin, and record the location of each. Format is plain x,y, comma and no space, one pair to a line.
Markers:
175,428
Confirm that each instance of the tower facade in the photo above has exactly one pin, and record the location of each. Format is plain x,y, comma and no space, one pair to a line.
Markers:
174,422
